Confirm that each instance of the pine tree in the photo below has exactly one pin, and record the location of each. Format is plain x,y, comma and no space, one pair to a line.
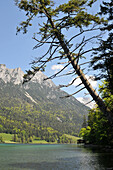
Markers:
55,21
103,56
84,125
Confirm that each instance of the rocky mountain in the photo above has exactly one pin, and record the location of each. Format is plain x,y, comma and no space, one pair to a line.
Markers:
36,104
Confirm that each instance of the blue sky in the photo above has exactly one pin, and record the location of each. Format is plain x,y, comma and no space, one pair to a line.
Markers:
16,50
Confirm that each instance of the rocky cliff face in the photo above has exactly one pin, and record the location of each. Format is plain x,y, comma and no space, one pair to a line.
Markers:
36,88
44,96
16,76
11,75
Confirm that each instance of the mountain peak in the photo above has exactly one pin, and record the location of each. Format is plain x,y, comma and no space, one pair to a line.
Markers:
11,75
39,77
38,103
16,76
2,66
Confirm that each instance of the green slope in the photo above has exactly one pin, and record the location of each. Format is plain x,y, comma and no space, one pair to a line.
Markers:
35,108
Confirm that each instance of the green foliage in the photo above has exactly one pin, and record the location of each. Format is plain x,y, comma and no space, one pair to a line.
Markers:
1,139
14,121
98,130
103,57
106,94
57,19
74,12
84,125
6,137
85,133
71,139
45,118
54,23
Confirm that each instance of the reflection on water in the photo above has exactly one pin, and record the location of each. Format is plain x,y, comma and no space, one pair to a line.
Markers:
52,157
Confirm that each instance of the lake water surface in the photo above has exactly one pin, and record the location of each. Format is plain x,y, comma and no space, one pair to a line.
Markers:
52,157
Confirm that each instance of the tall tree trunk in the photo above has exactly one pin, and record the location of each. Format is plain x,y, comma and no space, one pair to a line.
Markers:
82,76
91,91
86,83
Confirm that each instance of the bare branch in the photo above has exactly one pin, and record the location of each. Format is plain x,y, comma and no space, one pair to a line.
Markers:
54,75
78,45
45,42
63,62
79,85
40,59
73,93
40,43
37,60
89,102
84,43
69,73
92,49
60,86
93,60
92,29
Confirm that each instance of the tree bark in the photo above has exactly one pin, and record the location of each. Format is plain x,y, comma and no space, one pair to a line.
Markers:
91,91
106,111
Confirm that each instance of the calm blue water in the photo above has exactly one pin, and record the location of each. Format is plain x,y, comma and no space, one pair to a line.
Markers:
52,157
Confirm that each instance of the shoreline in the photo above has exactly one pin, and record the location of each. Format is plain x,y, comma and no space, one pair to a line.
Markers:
105,148
37,143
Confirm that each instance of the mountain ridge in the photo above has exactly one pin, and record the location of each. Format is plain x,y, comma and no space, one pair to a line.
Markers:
37,103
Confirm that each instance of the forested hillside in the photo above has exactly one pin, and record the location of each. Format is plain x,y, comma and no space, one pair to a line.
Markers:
36,108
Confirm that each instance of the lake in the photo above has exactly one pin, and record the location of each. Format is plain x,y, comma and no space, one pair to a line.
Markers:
52,157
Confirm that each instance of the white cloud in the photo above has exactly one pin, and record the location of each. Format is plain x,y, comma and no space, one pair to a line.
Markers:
85,100
90,78
57,67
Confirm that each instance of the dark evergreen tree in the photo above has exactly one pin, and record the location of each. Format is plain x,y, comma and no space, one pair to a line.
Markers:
98,130
84,125
15,137
103,56
1,139
57,20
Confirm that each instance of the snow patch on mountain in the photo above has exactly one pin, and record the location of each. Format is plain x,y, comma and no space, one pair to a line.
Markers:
27,95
